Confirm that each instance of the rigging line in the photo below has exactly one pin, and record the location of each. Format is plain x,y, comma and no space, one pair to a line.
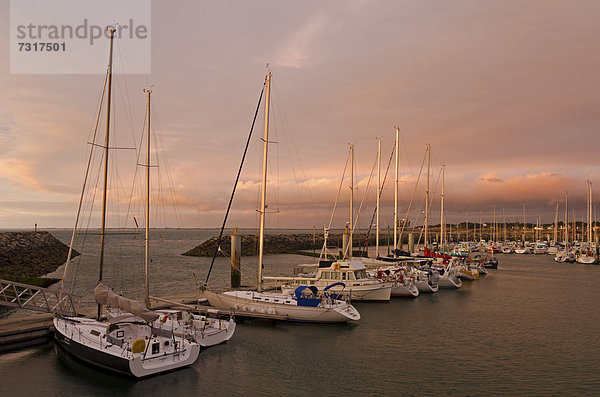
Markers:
293,154
135,174
237,178
126,100
295,147
339,191
380,194
163,147
364,194
89,218
85,178
413,196
289,137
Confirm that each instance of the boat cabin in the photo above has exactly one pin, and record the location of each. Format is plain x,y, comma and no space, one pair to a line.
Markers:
341,270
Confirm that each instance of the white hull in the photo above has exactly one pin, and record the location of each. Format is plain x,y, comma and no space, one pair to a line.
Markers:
87,340
372,291
587,260
424,286
255,302
449,282
525,250
402,290
205,331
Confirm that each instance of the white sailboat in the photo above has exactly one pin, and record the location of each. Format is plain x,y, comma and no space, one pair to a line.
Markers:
129,344
588,255
203,330
305,304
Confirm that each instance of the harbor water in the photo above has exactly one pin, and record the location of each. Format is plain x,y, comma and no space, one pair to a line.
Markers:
528,328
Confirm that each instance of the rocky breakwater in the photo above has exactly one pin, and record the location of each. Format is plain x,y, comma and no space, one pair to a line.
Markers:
276,244
30,254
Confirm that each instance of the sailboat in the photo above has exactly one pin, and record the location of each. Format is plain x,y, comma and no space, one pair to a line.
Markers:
405,281
588,256
204,330
305,303
130,343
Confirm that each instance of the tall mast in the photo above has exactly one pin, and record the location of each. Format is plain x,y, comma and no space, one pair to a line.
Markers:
442,223
263,193
467,228
106,142
504,221
590,214
147,242
396,197
495,237
574,227
524,227
427,194
351,200
556,224
566,219
378,192
480,227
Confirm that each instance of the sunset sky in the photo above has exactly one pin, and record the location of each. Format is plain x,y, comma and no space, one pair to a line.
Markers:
506,92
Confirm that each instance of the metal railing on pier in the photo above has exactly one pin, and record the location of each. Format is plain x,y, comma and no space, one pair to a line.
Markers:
29,297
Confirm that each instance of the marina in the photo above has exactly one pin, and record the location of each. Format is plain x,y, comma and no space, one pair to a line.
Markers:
340,197
493,335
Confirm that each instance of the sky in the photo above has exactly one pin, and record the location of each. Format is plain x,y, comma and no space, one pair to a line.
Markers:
506,92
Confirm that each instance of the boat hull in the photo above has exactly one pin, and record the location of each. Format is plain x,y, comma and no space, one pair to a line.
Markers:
587,260
424,286
244,303
404,291
78,346
449,282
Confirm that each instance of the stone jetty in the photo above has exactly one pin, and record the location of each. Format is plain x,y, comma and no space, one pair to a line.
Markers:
30,254
280,244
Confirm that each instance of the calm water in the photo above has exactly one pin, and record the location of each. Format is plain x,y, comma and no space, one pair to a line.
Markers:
528,328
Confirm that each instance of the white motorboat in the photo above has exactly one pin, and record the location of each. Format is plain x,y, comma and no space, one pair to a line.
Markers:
565,256
523,250
507,249
353,274
540,248
587,259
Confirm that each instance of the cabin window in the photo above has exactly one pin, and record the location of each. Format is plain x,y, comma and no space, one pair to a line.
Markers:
335,275
344,276
120,334
325,275
350,276
276,300
166,343
94,332
155,348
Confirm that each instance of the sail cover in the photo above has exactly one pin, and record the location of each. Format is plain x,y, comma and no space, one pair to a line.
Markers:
106,296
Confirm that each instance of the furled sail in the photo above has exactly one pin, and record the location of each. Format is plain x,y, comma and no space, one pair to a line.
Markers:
106,296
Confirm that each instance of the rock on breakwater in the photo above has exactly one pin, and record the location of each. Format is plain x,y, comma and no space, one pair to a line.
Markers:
31,254
277,243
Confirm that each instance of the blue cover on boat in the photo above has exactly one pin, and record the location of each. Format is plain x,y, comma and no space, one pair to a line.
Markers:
304,301
333,285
